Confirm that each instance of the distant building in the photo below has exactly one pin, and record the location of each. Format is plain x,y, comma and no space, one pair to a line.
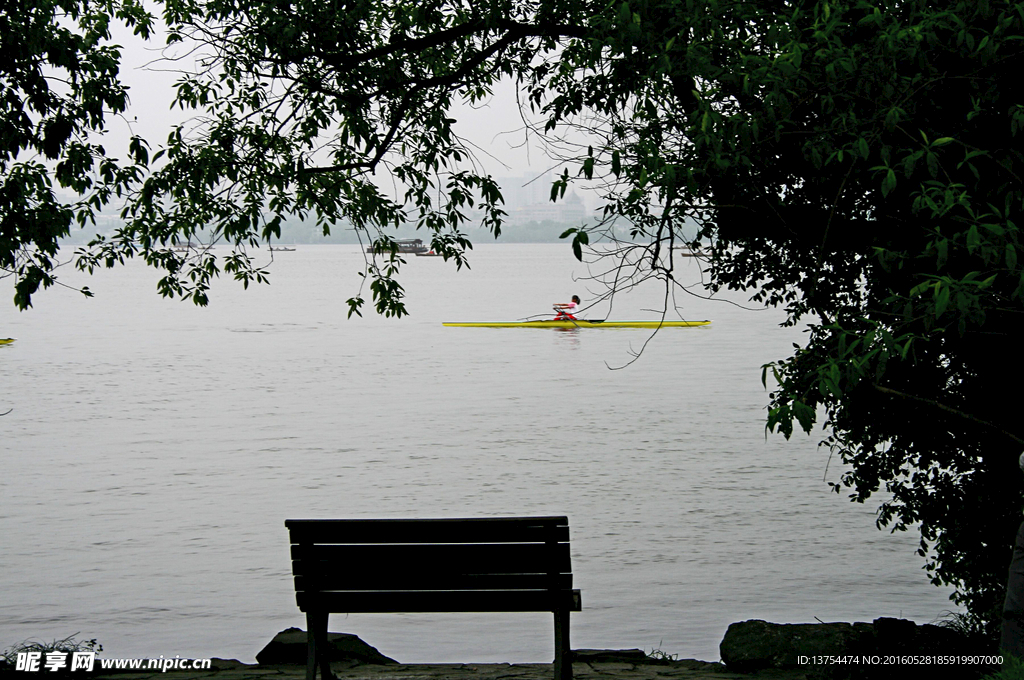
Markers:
528,199
568,211
526,190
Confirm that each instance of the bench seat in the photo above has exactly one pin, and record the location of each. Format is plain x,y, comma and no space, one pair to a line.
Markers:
491,564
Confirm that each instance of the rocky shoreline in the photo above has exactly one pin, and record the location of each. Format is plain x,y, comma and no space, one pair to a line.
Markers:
758,649
686,669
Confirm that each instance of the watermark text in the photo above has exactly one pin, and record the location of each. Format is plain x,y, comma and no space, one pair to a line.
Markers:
43,662
900,660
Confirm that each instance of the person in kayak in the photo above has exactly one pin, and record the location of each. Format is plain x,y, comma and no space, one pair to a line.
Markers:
565,310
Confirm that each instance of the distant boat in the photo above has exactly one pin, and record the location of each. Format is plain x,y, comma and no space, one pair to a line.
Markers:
185,247
430,253
575,323
281,249
686,251
407,246
6,341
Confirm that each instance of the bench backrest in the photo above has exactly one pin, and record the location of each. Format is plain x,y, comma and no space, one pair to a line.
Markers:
436,565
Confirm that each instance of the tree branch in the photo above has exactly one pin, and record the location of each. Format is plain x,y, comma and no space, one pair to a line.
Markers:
948,409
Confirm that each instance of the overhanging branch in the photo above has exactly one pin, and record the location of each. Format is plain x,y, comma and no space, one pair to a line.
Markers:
948,409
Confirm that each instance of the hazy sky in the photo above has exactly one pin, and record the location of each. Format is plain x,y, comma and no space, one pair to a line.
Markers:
491,127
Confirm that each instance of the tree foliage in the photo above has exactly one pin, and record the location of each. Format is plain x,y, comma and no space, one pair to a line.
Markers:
337,112
857,163
58,86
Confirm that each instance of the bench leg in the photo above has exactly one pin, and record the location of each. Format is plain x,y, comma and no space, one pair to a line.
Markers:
310,648
563,656
316,646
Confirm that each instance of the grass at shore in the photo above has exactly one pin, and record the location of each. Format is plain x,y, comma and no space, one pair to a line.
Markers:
1013,669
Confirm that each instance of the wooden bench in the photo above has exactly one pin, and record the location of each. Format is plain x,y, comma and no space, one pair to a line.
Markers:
500,564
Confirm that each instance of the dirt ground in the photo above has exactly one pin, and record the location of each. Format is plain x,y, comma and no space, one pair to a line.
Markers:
688,669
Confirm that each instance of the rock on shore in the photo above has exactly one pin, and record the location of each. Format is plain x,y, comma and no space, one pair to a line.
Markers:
755,645
289,647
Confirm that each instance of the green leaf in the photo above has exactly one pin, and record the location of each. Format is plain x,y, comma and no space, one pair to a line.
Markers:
804,414
941,298
581,239
888,182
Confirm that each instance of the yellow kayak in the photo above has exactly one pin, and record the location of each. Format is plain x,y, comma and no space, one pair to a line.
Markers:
6,341
577,323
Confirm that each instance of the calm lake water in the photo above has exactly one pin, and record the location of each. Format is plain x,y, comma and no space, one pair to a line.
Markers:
155,449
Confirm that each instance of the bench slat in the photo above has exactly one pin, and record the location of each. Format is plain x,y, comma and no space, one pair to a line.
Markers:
499,558
441,601
475,530
343,581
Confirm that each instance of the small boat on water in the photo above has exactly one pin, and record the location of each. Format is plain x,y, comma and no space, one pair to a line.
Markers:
6,341
575,323
186,247
281,249
406,246
683,251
